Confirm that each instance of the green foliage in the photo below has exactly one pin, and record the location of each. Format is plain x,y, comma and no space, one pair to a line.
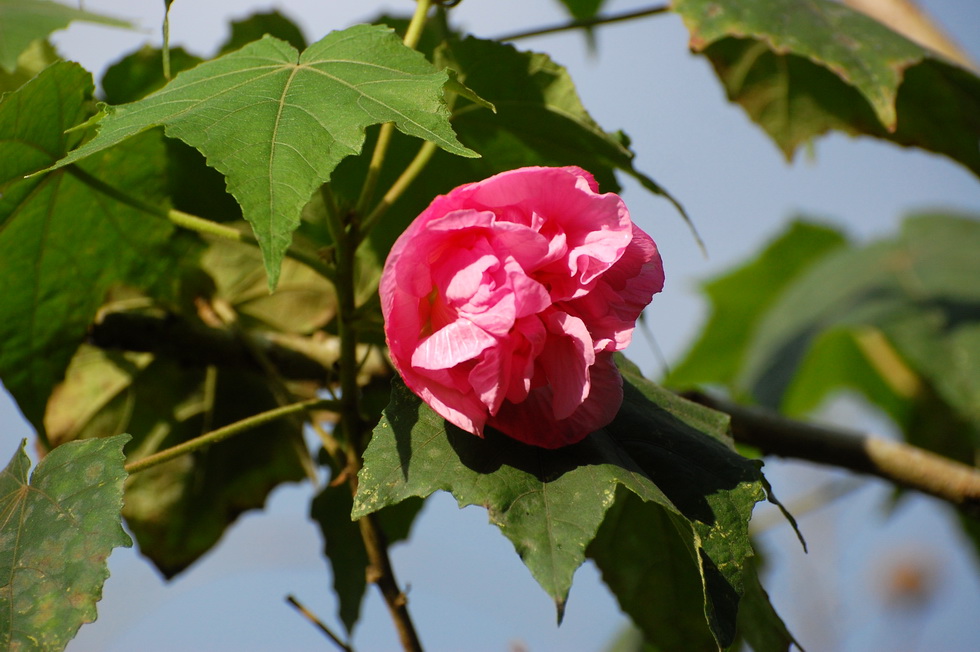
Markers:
739,298
56,532
276,123
800,69
582,9
23,21
65,237
550,504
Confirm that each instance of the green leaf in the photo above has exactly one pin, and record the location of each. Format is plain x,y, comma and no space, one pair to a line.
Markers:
63,241
258,25
141,72
917,289
344,547
665,450
758,622
583,9
23,21
56,533
38,56
539,120
177,511
277,123
649,566
740,297
801,69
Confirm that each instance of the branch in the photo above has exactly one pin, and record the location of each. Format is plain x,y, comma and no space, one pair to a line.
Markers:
897,462
585,22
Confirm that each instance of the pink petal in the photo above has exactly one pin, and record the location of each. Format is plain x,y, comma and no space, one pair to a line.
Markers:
449,346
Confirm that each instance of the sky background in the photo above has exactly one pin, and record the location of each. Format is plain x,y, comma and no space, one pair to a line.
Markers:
467,588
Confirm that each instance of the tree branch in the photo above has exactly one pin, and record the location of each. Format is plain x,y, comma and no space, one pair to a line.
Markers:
586,22
302,358
902,464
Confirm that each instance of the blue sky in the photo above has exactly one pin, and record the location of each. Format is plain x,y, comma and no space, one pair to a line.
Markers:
468,589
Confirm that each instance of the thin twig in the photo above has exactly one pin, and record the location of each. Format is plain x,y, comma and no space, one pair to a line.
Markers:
220,434
585,22
195,223
900,463
309,615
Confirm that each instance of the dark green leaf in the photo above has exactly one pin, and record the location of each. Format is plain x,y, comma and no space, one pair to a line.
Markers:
56,533
23,21
178,510
644,554
802,68
140,73
256,26
583,9
276,123
550,503
739,299
63,241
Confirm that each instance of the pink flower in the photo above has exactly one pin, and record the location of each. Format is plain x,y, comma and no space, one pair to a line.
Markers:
505,300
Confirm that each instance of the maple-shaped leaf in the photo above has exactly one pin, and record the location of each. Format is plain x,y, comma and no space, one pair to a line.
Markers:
276,122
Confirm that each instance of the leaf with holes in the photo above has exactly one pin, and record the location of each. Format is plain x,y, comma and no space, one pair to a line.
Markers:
276,123
56,532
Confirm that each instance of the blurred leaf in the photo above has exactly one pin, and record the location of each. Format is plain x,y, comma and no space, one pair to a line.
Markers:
344,547
35,58
141,72
740,297
583,9
178,510
23,21
63,241
319,105
258,25
56,533
918,289
801,69
303,302
550,504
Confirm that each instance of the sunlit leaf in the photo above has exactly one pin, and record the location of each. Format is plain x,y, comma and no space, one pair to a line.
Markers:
276,123
803,68
56,532
63,240
23,21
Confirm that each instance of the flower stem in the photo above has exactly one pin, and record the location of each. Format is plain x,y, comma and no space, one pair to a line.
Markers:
411,39
407,176
225,432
